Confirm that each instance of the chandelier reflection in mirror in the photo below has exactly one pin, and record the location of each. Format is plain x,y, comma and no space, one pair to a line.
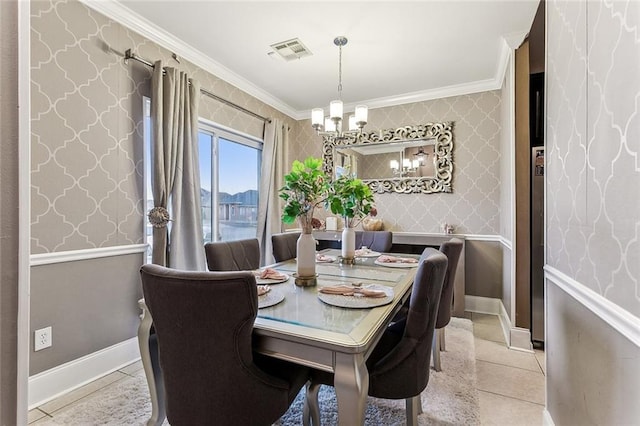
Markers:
331,126
408,167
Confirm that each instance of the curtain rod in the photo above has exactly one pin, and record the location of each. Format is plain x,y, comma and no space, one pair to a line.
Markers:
128,54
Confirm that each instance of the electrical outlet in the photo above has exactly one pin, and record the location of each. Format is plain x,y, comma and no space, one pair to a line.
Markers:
42,339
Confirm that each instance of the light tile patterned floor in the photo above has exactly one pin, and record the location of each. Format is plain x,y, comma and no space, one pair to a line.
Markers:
510,383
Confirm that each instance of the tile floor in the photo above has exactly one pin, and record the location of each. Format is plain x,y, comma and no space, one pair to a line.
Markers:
510,383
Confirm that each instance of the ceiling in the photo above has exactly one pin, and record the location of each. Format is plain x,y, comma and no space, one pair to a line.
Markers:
397,51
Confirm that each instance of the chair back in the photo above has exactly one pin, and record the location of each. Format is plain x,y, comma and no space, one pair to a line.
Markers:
375,240
204,323
452,250
285,245
399,365
240,255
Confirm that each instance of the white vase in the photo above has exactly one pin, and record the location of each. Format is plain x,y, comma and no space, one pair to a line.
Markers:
306,256
348,243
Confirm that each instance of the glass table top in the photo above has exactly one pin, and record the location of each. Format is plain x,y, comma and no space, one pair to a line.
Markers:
302,309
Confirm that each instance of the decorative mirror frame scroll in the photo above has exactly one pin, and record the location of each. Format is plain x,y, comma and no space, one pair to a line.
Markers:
442,133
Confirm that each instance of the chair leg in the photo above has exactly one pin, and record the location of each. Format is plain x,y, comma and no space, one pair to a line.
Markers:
441,336
413,405
311,409
436,351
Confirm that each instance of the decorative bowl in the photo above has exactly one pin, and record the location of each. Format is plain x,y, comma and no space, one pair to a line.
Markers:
370,224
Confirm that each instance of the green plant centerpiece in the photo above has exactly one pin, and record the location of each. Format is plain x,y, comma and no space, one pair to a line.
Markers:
351,198
305,188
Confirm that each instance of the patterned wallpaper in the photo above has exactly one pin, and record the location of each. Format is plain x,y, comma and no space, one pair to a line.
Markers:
87,126
593,134
474,205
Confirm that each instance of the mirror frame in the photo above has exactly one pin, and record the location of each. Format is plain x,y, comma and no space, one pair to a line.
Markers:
442,133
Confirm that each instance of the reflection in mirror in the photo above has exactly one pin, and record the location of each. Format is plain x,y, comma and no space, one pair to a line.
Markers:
387,161
408,159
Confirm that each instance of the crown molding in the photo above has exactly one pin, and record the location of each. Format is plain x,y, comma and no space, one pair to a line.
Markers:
121,14
420,96
114,10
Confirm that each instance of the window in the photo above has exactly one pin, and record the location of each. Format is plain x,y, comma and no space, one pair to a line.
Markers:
229,175
229,178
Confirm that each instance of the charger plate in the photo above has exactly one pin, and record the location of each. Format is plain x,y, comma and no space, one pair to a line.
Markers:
359,302
273,297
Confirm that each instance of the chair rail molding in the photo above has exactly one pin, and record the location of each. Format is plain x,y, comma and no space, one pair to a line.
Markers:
85,254
621,320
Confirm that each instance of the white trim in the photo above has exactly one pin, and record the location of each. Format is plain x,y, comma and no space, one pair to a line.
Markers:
85,254
621,320
520,339
506,243
516,338
50,384
480,237
505,323
123,15
234,132
24,207
419,96
546,418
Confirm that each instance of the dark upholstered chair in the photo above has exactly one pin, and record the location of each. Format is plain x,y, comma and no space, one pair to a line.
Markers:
452,250
240,255
204,322
399,364
375,240
285,245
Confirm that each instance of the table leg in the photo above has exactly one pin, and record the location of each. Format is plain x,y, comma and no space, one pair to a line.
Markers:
149,354
351,382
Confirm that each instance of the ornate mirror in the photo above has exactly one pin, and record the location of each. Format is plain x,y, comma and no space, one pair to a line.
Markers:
404,160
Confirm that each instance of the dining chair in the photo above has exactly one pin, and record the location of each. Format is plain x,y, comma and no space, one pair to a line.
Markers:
285,245
204,323
239,255
452,250
399,364
375,240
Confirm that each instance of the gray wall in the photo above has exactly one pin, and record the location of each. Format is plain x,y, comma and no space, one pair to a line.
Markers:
474,206
99,310
8,209
86,171
592,209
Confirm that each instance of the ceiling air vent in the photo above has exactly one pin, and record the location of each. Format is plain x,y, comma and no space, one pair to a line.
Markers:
291,49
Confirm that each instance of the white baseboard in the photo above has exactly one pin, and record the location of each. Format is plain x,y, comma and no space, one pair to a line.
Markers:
520,339
50,384
517,338
546,418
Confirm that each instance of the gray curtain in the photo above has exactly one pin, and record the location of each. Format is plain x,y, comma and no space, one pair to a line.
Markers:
176,173
274,166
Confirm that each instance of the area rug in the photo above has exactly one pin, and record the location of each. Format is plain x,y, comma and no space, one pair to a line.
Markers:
451,397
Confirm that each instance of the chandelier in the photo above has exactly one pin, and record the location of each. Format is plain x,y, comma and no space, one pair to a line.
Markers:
332,125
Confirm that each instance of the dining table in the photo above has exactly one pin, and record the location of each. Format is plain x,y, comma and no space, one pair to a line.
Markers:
302,324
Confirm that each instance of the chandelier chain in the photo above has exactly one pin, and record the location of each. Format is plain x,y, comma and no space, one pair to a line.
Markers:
340,72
